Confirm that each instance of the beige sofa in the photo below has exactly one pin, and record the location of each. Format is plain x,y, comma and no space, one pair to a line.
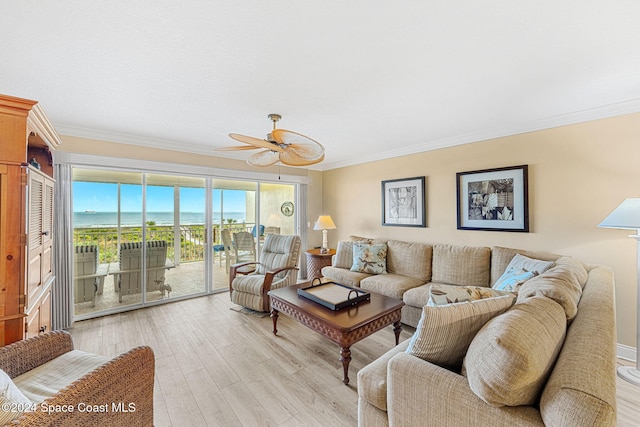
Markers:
52,384
577,389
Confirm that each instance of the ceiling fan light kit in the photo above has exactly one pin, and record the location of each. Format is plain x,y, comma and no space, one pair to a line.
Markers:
284,146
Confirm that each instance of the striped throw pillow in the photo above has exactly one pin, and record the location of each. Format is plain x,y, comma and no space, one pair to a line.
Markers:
444,332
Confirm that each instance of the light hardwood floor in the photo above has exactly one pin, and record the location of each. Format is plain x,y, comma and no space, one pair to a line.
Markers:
218,367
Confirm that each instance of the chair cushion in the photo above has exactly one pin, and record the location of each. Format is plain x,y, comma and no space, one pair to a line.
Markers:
444,332
279,251
370,258
12,401
511,356
45,380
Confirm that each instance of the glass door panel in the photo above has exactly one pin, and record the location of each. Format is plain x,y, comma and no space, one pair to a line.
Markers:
175,207
277,208
234,211
107,221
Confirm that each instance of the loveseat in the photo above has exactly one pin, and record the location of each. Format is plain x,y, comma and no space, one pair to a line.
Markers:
54,385
546,358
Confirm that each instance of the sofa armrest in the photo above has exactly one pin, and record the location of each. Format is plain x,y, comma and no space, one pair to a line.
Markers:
419,391
23,356
118,393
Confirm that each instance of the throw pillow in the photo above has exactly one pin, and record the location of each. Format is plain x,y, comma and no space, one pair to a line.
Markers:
561,284
521,262
12,401
509,360
370,259
444,332
440,294
512,279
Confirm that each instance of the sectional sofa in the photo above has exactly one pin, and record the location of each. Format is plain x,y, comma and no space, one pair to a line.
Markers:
547,359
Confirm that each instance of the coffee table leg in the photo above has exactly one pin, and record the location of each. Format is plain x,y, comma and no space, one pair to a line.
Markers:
274,316
345,358
397,328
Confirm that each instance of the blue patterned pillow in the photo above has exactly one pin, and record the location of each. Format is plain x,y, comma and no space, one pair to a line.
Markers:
512,279
370,259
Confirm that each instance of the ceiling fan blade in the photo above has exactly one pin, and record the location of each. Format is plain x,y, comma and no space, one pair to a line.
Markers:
303,146
237,148
290,158
263,158
257,142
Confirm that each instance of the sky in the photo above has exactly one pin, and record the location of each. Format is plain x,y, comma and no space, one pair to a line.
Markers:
103,197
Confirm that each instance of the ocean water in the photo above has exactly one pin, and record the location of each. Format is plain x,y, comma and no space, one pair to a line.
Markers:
132,219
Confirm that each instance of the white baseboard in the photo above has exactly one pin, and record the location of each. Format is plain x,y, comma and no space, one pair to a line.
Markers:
627,353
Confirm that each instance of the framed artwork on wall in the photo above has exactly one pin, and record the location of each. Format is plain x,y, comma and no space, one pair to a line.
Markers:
493,199
403,202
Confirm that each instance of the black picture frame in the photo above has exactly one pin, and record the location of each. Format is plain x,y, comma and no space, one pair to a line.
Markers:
403,202
493,199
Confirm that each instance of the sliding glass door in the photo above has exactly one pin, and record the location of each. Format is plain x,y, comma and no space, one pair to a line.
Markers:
144,238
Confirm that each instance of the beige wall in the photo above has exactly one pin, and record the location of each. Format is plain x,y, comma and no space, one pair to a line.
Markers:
577,175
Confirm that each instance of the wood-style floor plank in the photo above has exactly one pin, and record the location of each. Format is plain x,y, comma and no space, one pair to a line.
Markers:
218,367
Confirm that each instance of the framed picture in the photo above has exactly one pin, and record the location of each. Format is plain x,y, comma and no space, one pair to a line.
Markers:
403,202
493,199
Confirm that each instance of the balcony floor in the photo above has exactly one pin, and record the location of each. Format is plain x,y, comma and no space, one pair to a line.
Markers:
185,279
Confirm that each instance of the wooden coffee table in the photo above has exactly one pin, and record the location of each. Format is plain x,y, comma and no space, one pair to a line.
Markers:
345,326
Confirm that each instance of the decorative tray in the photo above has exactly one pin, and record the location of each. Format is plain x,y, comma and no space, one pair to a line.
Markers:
333,295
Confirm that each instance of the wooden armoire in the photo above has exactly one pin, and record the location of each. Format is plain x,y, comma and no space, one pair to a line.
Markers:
27,142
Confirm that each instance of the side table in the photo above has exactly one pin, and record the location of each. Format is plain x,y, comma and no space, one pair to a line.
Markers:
316,260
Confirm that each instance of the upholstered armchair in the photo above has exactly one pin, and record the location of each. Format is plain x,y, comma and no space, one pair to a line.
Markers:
276,268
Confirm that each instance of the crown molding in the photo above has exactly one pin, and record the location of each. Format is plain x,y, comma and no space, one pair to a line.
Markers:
602,112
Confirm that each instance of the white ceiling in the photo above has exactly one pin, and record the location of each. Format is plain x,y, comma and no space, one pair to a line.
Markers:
368,79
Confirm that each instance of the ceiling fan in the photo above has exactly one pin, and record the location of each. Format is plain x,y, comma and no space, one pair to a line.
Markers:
284,146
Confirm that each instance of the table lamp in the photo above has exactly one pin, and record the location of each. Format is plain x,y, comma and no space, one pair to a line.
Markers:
324,223
627,216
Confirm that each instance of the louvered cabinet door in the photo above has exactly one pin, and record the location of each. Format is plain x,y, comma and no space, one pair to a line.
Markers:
35,235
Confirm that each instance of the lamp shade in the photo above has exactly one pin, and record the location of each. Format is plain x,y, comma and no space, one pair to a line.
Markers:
627,215
324,222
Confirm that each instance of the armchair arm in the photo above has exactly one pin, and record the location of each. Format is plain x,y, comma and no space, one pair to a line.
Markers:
419,390
271,274
120,392
23,356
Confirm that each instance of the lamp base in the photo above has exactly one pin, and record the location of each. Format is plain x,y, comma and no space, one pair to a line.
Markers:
630,374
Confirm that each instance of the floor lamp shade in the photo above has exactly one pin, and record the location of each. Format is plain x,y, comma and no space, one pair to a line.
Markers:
324,223
627,216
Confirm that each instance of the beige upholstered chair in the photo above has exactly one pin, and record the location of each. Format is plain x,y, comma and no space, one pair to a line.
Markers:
89,274
244,246
277,268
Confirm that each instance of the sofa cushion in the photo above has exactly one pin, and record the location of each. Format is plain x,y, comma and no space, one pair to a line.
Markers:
344,255
12,401
461,265
560,283
344,276
410,259
372,379
444,332
45,380
501,257
391,285
448,294
511,357
417,297
370,258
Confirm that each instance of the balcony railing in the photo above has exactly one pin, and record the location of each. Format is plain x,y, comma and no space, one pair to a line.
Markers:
191,245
